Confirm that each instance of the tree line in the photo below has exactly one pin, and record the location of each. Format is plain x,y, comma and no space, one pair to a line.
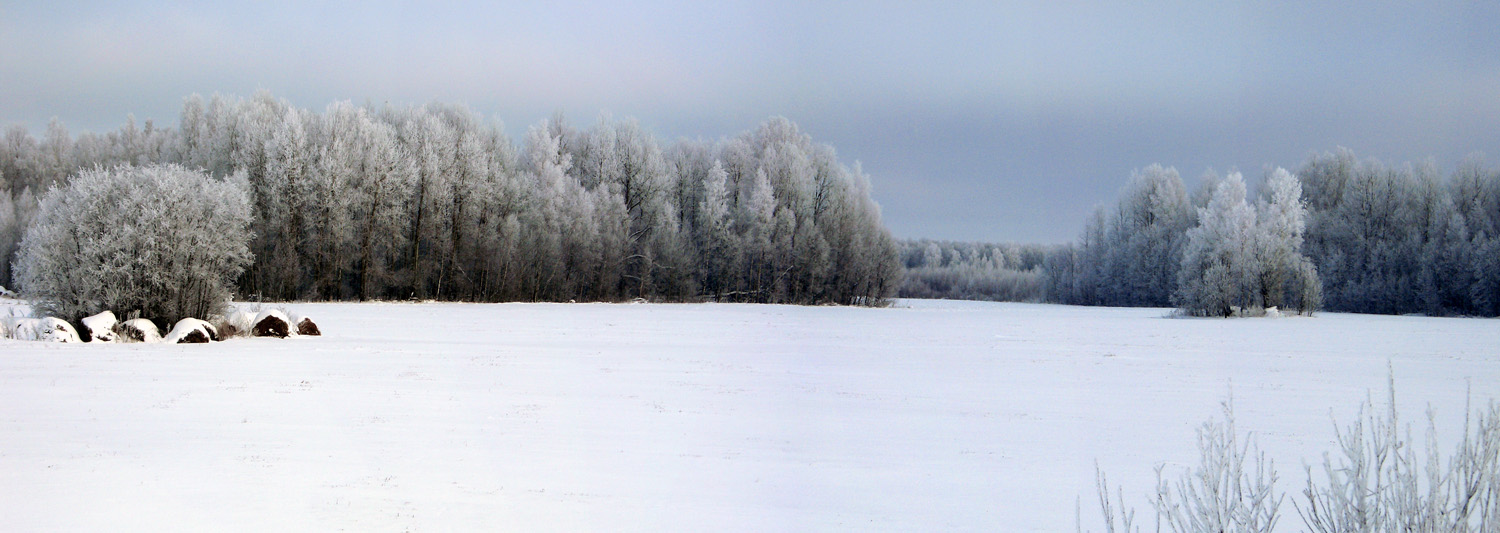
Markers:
973,271
434,201
1377,238
1339,234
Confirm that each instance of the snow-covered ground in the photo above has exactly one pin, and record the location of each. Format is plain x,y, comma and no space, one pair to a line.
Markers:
928,416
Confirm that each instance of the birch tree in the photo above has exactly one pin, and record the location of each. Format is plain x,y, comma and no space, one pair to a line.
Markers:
1216,262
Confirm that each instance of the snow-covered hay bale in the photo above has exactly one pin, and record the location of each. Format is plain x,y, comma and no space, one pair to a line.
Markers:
237,322
304,325
195,336
191,330
100,327
49,329
137,330
54,329
58,330
271,323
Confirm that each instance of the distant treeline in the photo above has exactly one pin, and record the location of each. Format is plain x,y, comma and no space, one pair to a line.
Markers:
1362,236
973,271
1382,239
361,202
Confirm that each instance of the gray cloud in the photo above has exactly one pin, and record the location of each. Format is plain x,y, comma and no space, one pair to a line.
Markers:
977,120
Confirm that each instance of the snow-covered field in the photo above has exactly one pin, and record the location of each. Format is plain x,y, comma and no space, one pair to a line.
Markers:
927,416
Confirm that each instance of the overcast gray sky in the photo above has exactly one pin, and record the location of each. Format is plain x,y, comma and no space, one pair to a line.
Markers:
1002,121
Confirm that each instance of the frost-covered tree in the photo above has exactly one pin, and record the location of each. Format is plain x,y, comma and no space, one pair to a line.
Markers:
429,143
161,240
1145,239
1217,263
976,271
1244,259
561,223
10,235
1485,292
688,164
328,215
1131,254
1370,243
55,161
1284,276
1476,197
382,182
1075,272
622,158
19,155
719,255
282,195
760,217
433,201
192,133
498,222
1376,238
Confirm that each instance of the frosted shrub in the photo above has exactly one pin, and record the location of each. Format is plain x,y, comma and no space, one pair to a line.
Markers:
161,240
1376,483
1223,493
1233,488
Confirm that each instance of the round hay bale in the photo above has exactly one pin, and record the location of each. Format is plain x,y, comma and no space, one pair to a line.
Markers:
48,329
100,327
58,330
138,330
191,330
196,336
304,325
271,323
